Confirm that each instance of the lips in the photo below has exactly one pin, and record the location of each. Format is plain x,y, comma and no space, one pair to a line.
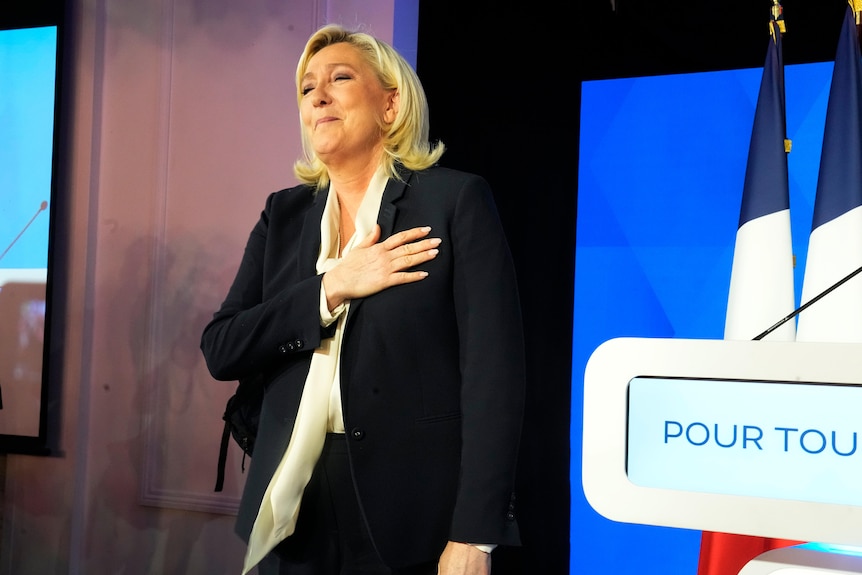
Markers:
325,120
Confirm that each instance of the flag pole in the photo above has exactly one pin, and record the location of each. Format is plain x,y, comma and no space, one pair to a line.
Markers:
778,20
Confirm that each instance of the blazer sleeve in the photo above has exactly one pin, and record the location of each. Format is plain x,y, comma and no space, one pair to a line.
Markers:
492,366
271,311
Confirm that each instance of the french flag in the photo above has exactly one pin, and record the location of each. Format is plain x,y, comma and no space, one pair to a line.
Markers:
761,279
761,282
835,243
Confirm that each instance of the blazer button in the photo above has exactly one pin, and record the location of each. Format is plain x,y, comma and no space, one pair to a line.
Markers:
357,433
298,344
510,516
282,348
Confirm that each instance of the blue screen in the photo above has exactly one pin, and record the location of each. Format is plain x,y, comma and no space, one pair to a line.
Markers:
745,438
28,73
660,177
27,76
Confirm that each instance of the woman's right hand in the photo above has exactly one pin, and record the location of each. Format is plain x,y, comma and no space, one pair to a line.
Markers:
371,267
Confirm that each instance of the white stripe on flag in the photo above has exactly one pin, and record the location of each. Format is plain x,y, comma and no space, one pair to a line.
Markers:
761,280
834,251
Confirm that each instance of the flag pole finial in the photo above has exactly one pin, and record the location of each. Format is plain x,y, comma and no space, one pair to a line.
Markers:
778,16
856,5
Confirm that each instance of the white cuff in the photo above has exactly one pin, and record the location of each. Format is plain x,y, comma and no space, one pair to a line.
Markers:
328,317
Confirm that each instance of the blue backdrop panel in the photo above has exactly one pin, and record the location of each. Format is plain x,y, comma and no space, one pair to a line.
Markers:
661,169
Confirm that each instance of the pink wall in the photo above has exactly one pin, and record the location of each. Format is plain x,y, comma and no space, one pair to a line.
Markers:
182,120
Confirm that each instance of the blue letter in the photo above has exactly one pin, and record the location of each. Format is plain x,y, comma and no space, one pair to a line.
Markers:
835,448
678,430
785,430
746,438
822,441
732,442
705,432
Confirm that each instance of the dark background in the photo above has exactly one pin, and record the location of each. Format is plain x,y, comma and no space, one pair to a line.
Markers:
503,83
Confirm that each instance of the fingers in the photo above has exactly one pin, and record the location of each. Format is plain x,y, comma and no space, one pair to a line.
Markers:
402,278
415,253
407,236
410,248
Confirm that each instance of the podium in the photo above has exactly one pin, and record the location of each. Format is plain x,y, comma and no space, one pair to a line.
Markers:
750,437
804,559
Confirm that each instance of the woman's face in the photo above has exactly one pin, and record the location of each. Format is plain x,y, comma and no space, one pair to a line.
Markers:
343,105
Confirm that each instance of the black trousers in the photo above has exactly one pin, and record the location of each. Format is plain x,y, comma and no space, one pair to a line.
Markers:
331,537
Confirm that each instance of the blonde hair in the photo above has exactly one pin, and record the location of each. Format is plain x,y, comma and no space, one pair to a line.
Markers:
405,141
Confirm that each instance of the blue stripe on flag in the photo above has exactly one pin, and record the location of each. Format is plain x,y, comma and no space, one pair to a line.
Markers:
839,186
765,190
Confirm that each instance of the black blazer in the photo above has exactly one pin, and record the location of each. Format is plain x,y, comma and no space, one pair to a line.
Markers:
432,373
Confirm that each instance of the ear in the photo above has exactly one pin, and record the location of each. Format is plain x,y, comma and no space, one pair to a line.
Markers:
393,100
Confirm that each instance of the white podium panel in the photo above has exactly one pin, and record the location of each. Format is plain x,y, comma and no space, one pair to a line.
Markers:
800,560
750,437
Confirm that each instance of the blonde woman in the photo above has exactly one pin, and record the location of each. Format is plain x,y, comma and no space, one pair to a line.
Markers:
379,300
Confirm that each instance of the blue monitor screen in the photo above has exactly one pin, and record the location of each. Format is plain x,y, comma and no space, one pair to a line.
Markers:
28,74
745,438
660,176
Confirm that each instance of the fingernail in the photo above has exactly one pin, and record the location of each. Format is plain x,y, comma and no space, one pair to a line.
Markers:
426,229
436,241
433,252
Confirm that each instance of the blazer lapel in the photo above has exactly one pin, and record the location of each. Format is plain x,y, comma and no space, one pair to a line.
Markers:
386,217
391,194
310,236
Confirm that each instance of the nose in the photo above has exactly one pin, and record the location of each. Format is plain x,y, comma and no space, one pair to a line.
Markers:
320,96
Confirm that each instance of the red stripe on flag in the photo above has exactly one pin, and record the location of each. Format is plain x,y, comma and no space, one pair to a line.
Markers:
727,553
